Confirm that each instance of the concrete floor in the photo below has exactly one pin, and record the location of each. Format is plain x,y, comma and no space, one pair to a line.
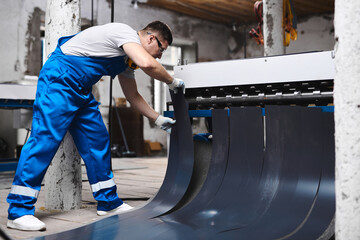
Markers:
137,179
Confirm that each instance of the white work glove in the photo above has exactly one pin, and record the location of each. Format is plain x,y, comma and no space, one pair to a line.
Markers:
165,123
177,83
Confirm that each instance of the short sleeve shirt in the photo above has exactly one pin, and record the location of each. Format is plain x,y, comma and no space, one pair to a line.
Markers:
102,41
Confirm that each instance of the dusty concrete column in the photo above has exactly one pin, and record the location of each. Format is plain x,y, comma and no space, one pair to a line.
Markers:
347,119
272,27
63,178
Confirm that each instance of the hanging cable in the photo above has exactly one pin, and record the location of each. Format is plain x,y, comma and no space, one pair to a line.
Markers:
92,12
111,90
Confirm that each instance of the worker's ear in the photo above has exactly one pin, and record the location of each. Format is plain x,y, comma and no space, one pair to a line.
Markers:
149,39
152,38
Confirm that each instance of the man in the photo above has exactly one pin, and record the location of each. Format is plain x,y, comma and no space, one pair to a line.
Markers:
64,102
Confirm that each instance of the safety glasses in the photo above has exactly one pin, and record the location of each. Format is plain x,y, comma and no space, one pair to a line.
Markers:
158,42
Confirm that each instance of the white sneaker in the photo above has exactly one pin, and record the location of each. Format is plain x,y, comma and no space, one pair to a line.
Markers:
120,209
26,223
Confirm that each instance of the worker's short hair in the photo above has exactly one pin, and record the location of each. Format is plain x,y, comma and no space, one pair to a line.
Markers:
162,29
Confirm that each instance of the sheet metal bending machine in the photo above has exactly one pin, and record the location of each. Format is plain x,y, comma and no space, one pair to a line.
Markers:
305,79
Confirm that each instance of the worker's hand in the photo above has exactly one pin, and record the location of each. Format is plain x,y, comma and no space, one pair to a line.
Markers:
177,83
165,123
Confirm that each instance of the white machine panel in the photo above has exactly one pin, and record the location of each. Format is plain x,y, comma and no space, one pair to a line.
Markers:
276,69
17,91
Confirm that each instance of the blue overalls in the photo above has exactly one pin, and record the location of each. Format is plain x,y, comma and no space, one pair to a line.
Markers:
64,102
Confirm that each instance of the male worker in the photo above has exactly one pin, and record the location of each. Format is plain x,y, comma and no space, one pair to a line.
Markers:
64,102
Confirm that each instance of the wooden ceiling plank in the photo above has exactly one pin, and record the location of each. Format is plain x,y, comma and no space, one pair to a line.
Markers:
231,12
222,4
223,11
313,6
190,11
204,10
241,11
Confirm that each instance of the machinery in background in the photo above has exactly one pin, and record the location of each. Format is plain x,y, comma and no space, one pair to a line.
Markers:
18,96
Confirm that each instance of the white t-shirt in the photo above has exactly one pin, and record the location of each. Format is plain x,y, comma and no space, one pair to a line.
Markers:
102,41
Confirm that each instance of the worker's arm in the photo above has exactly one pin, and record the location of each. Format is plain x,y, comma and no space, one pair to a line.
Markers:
150,66
137,102
146,62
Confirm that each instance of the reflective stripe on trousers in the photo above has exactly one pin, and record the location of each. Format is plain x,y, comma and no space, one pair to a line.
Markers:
25,191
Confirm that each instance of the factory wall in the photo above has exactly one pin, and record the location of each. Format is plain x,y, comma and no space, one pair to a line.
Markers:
15,46
20,20
315,33
15,17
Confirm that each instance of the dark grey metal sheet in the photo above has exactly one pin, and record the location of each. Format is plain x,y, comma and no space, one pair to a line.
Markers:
252,190
324,208
181,161
295,138
175,225
284,192
172,226
207,213
216,171
242,174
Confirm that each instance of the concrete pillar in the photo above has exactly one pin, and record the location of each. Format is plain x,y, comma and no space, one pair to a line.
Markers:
63,178
347,119
272,27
